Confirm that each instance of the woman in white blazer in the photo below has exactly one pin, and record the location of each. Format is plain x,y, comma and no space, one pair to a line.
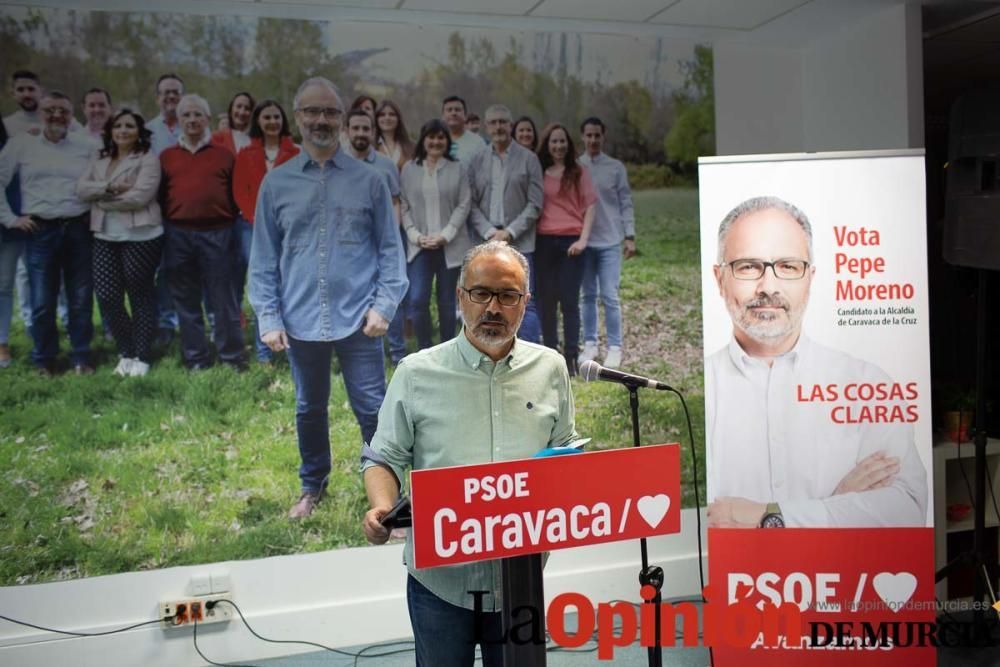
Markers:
121,185
435,199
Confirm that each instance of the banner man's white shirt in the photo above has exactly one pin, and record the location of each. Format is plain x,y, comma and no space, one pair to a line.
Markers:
766,445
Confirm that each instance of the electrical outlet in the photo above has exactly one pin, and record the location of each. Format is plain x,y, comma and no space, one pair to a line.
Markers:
220,582
200,585
186,612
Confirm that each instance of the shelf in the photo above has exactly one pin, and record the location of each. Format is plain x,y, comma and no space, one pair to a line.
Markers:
951,486
966,523
947,450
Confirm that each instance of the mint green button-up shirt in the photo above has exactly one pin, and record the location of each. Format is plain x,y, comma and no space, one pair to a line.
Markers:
452,405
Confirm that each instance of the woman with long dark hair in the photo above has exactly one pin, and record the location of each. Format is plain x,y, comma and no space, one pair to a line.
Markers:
525,133
435,204
236,136
122,186
562,233
391,137
270,145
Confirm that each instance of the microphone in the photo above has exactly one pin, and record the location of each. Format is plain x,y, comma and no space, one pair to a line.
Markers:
590,370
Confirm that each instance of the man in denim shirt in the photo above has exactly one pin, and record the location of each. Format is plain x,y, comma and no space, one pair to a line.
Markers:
326,275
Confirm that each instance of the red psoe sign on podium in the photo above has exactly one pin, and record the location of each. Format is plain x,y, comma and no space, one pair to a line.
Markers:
511,508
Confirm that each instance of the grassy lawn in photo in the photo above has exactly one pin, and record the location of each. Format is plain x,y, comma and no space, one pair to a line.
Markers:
103,475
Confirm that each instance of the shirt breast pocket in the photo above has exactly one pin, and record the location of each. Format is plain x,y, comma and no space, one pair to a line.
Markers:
544,414
352,225
299,236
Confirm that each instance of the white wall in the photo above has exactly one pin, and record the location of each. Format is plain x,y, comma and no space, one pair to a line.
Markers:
338,598
858,88
758,99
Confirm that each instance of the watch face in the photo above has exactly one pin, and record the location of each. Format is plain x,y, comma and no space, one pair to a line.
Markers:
772,521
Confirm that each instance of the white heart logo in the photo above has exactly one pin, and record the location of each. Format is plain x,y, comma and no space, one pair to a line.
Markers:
895,589
653,508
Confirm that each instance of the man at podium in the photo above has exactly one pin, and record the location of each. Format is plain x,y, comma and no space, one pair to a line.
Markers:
483,396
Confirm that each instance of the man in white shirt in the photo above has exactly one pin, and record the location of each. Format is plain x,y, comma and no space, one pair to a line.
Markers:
97,111
775,459
463,144
26,89
166,131
49,166
611,238
165,127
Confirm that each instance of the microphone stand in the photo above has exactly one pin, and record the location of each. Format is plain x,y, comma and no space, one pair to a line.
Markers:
651,576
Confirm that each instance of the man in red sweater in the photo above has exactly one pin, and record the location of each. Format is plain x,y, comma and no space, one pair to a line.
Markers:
200,250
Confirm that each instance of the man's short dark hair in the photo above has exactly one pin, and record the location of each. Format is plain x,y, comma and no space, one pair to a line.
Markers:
593,120
472,118
24,74
106,94
354,113
168,75
455,98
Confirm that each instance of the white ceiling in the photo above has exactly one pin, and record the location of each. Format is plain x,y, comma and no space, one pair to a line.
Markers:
780,22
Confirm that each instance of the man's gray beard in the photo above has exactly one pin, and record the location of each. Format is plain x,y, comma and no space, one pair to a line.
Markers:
490,339
329,141
765,331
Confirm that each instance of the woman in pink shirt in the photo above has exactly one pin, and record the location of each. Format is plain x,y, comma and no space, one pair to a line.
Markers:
562,233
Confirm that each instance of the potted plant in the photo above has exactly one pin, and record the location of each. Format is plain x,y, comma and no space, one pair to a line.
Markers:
958,408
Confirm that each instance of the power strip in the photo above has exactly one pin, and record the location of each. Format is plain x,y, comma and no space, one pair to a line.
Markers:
187,611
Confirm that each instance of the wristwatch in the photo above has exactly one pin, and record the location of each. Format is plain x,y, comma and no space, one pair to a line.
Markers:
772,517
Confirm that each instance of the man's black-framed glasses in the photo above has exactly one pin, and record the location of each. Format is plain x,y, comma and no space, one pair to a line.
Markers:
753,269
313,113
507,299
